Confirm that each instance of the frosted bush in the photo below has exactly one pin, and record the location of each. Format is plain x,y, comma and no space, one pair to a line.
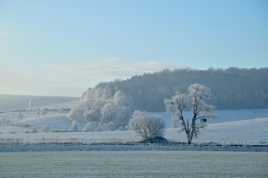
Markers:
146,125
101,109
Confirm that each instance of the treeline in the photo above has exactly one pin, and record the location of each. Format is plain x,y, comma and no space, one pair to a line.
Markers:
231,88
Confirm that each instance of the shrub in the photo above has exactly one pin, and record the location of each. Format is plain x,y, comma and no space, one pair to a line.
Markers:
146,125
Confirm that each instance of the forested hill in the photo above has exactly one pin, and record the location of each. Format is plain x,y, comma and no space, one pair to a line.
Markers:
231,88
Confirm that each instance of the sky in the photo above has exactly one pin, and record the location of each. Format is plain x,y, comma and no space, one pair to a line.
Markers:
61,48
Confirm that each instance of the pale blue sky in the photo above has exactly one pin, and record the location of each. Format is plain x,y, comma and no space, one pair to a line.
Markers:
63,47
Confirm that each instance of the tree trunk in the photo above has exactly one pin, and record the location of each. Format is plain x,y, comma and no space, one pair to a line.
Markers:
189,141
189,138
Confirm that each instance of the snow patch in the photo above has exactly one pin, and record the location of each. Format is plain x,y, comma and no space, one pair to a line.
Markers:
254,131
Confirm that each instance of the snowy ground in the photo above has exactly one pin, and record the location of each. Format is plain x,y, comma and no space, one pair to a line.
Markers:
133,164
223,115
230,126
253,131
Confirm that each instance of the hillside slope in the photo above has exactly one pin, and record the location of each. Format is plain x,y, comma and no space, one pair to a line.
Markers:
231,88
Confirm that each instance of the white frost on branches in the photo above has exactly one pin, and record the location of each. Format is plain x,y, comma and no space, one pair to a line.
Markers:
194,100
101,109
146,125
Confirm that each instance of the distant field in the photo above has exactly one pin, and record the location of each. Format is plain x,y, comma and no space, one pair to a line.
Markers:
153,164
229,127
13,102
254,131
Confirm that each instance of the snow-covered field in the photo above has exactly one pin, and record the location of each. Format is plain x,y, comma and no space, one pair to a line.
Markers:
254,131
230,126
133,164
223,115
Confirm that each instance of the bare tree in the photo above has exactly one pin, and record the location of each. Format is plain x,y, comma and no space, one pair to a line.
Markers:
194,100
146,125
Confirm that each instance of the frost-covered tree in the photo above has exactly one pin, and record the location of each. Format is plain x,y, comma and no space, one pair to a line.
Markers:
146,125
195,100
232,88
100,109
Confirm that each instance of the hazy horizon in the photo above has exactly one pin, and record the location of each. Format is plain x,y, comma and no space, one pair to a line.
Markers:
152,72
62,48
